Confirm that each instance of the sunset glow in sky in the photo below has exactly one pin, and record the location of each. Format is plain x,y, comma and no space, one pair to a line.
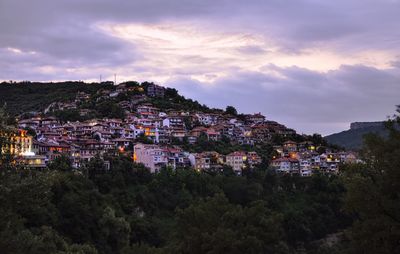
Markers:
313,65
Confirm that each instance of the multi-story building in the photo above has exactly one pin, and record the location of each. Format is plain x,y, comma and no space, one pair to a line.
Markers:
207,119
151,156
155,90
305,167
200,161
237,161
286,165
21,143
174,122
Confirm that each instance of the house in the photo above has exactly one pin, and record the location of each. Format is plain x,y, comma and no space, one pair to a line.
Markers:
146,110
305,167
255,118
174,122
33,161
207,119
152,133
200,161
49,121
176,157
154,90
253,159
213,134
261,133
113,122
177,133
236,160
51,148
290,146
29,123
151,156
121,143
286,165
197,131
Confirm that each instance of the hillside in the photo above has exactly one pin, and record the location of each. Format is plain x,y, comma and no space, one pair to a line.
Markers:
353,138
25,97
35,96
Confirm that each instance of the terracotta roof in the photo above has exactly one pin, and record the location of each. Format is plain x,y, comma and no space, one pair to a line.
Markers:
285,160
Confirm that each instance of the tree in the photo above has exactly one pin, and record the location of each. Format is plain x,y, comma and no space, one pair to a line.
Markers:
116,231
61,163
94,166
110,109
373,194
214,225
70,115
231,110
7,128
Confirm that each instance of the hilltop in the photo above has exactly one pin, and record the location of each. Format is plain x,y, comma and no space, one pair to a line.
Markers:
353,138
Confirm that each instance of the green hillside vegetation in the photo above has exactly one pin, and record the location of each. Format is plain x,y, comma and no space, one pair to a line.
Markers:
130,210
34,96
26,97
353,139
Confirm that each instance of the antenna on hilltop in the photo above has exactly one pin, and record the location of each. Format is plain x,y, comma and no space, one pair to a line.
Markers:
115,79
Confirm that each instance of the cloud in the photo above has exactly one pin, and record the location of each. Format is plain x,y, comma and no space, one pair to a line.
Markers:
305,100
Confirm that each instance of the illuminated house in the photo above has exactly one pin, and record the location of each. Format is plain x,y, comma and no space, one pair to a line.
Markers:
21,143
290,146
237,161
200,161
206,161
33,161
253,159
21,148
151,156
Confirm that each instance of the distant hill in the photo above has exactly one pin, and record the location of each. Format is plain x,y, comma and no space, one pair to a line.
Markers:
353,139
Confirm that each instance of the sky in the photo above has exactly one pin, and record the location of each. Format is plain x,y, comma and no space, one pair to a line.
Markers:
313,65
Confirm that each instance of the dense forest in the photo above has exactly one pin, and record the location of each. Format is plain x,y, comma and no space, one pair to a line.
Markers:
129,210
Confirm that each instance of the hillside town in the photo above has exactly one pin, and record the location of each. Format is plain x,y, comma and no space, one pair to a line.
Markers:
157,137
